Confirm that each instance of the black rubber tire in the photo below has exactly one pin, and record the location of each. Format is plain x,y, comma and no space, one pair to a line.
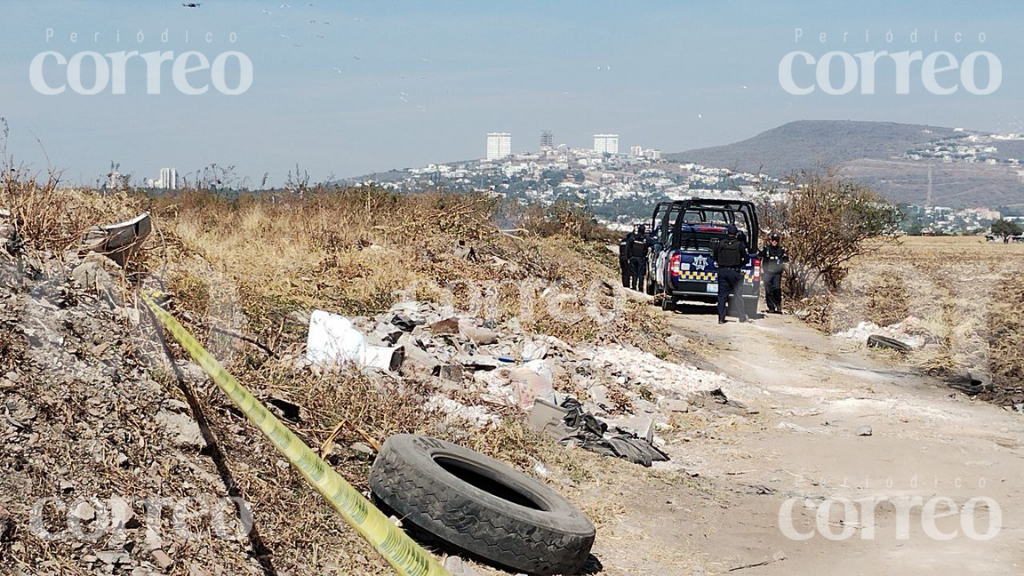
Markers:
877,341
668,303
551,536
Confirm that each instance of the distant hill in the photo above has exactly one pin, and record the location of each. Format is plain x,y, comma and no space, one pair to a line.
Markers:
873,153
808,144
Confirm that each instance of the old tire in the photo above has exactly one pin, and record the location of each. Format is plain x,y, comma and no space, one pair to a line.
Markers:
479,505
877,341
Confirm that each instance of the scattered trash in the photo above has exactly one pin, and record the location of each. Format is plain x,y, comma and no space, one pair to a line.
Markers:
879,341
476,415
864,431
479,336
970,383
439,488
534,350
909,332
446,326
334,341
464,251
546,413
585,430
117,241
532,380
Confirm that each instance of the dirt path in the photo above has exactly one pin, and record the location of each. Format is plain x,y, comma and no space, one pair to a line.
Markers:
811,394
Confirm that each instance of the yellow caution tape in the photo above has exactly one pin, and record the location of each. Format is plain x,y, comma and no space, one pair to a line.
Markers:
404,555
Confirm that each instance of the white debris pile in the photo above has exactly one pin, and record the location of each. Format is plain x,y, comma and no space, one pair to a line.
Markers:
476,415
481,368
909,331
632,367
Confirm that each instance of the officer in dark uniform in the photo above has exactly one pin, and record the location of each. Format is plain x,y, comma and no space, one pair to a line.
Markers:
624,258
773,262
730,255
638,246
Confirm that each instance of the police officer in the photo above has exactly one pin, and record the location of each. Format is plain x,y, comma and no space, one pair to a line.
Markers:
773,262
624,266
638,246
730,255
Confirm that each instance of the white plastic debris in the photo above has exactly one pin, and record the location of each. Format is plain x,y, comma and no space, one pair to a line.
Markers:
334,341
904,331
532,380
534,350
476,415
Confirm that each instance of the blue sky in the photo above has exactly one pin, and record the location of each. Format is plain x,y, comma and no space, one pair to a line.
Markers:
423,83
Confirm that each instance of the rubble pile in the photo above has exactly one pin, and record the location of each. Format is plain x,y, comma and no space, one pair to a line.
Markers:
909,331
481,369
85,425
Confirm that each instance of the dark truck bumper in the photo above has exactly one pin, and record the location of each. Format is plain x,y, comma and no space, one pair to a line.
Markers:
697,291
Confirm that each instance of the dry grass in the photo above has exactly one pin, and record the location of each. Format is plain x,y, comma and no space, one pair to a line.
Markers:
968,295
247,264
53,219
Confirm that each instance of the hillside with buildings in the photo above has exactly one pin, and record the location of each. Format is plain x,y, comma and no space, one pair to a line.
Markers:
809,144
619,188
906,163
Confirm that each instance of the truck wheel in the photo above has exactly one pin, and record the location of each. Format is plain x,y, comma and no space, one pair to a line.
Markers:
479,505
668,303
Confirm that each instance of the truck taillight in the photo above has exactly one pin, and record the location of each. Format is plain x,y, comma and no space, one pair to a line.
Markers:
673,264
757,269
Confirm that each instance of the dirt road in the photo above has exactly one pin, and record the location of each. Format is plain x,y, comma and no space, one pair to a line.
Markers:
811,393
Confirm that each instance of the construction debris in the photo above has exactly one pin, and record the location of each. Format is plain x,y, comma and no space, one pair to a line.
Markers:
333,341
117,241
909,332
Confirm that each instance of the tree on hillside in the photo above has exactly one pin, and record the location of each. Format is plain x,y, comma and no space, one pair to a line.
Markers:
1006,228
825,222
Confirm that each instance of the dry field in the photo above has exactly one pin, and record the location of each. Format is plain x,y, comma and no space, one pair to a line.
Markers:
966,294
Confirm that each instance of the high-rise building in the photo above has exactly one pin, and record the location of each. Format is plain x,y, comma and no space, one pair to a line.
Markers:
653,154
608,143
547,140
499,145
636,150
168,179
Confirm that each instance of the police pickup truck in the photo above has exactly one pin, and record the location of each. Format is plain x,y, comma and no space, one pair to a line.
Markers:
680,266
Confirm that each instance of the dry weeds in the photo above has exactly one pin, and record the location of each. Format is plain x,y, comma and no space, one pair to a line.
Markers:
967,294
248,263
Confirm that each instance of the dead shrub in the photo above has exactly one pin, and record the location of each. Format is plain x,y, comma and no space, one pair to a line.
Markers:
826,222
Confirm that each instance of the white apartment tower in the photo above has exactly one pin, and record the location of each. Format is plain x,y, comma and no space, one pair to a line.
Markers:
499,145
636,150
606,143
168,179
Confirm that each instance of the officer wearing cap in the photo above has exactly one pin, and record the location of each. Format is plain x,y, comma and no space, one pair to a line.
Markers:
730,255
773,262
